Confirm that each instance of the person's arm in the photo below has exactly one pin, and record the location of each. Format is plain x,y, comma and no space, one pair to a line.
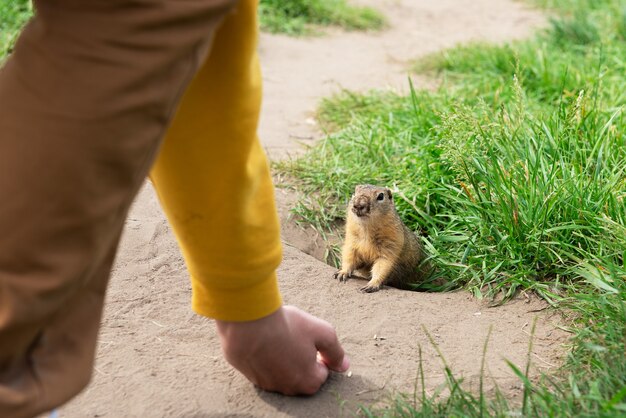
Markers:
214,184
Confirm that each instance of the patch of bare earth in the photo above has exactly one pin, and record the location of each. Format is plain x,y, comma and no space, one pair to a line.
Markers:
158,359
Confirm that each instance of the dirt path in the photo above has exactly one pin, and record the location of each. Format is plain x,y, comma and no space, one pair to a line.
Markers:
157,359
297,73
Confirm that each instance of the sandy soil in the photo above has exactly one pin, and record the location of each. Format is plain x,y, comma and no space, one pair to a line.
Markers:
297,72
158,359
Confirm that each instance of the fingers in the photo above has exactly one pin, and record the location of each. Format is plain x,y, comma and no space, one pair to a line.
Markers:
289,352
330,351
315,382
313,371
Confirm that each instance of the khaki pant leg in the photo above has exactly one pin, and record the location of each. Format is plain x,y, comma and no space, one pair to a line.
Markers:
84,101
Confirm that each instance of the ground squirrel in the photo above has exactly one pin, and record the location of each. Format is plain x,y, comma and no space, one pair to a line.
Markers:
379,244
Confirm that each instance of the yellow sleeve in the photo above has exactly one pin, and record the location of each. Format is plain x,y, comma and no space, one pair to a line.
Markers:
213,180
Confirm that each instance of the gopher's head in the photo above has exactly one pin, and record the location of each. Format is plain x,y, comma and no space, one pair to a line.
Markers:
370,201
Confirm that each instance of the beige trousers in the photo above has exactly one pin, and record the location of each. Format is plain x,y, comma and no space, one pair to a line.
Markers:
85,100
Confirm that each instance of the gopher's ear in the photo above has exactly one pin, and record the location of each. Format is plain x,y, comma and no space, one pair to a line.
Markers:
389,194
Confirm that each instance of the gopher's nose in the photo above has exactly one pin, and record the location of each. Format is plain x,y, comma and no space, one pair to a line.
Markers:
360,208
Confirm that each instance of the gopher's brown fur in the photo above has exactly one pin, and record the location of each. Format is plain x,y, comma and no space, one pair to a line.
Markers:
378,243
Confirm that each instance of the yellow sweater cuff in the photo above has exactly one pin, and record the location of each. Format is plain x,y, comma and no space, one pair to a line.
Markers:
248,303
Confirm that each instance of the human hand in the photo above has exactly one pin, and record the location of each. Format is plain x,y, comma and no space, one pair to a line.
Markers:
289,351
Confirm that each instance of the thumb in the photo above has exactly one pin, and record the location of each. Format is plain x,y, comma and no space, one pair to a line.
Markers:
330,351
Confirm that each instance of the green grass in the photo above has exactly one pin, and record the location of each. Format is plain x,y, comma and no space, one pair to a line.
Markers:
514,171
13,15
300,17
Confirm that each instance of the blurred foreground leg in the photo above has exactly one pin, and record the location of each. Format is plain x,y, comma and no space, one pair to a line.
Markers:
84,102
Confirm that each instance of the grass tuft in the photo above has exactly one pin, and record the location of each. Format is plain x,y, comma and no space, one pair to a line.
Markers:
299,17
13,15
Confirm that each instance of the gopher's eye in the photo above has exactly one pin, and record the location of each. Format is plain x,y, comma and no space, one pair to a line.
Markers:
381,196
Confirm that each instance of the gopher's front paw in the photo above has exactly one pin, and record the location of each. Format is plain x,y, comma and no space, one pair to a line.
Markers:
370,288
342,275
